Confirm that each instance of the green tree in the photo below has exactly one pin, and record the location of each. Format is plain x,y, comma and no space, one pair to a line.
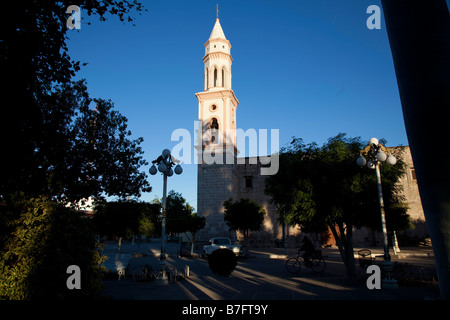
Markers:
60,150
59,145
123,219
39,239
86,152
320,187
181,217
191,225
35,68
177,210
290,194
244,215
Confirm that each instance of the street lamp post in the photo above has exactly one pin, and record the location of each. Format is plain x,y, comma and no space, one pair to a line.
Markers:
376,153
165,162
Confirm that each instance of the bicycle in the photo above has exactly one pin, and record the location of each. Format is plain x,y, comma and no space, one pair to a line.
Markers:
316,263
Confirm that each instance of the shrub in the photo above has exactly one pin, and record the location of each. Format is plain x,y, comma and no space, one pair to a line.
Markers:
40,239
222,262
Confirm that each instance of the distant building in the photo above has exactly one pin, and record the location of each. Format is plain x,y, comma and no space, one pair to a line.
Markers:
222,175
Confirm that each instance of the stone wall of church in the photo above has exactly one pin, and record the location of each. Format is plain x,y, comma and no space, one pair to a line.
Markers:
251,185
216,184
410,191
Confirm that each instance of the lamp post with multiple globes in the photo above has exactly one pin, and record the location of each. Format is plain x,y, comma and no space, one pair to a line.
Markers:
165,162
377,153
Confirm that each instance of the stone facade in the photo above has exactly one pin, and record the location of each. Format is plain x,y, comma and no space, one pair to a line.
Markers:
216,184
220,182
251,184
409,184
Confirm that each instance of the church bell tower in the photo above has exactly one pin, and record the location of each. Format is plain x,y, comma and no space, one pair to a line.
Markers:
216,145
217,103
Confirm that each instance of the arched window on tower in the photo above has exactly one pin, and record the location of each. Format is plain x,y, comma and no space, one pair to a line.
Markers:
223,77
207,79
214,126
215,77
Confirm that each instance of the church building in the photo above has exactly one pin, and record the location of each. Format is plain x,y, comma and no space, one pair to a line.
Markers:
221,174
220,177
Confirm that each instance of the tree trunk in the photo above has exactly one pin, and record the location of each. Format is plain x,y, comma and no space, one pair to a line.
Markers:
419,36
345,245
351,269
192,243
245,251
119,243
284,229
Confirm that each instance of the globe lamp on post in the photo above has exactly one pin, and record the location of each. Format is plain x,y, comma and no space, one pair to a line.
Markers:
376,153
165,162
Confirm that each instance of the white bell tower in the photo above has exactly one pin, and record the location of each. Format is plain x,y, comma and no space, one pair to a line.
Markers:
216,145
217,103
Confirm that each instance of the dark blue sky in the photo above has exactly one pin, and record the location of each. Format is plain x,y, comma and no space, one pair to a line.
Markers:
309,68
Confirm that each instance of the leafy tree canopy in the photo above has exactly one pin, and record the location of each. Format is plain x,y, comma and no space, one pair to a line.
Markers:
244,215
59,146
181,216
324,185
46,120
85,151
320,187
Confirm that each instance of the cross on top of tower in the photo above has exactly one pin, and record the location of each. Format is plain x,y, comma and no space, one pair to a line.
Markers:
217,11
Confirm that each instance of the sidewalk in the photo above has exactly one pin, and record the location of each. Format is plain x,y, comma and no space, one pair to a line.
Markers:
263,276
281,253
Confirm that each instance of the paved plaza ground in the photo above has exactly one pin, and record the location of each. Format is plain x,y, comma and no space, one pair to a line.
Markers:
263,276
